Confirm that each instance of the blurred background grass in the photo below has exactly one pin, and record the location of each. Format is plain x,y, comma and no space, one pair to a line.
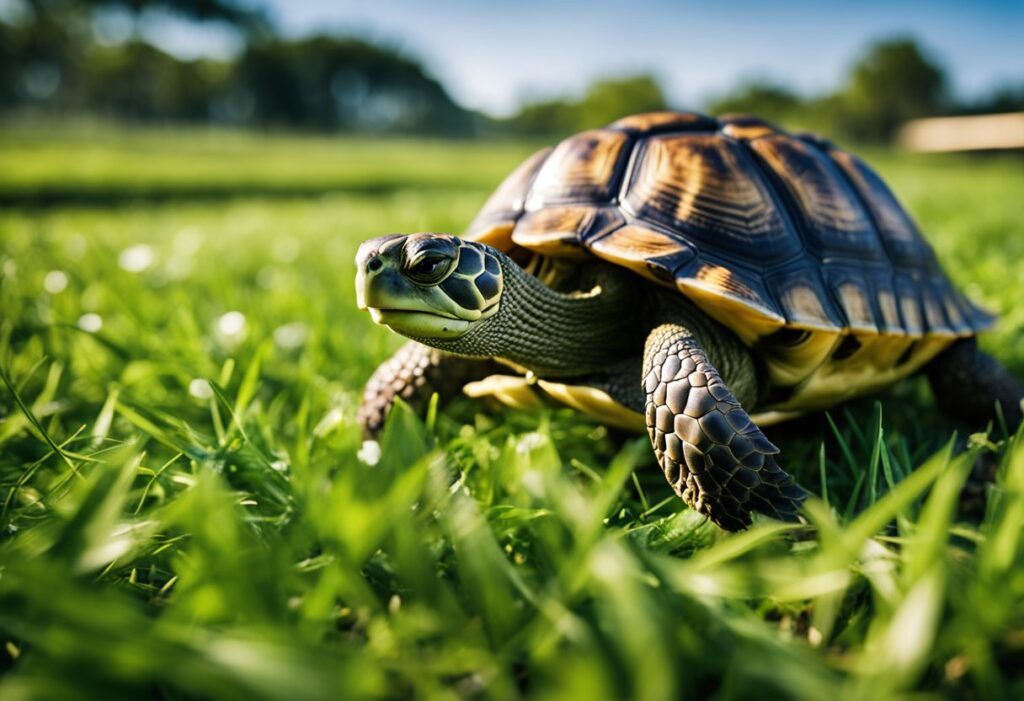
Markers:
189,510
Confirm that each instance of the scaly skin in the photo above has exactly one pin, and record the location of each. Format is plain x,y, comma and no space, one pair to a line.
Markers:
414,373
554,335
712,454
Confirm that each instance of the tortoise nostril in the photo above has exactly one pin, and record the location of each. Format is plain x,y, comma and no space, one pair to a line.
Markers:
374,264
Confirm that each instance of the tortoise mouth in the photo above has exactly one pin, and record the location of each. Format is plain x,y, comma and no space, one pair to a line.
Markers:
399,310
420,324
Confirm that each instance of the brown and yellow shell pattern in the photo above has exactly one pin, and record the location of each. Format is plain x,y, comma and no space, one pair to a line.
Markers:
797,246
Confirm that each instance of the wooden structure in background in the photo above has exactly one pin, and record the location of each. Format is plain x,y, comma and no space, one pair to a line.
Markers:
975,133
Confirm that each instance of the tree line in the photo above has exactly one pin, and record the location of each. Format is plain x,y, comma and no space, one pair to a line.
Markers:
892,81
52,62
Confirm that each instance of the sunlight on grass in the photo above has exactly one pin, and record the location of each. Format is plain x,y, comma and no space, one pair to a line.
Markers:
189,509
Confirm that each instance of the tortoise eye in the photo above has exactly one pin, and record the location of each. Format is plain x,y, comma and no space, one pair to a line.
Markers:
429,268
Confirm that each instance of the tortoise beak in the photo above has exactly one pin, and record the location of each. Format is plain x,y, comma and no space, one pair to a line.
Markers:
371,261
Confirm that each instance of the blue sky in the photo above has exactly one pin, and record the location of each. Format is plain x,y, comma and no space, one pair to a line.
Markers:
492,55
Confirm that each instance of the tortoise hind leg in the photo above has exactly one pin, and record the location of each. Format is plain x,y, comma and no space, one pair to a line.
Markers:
414,373
968,383
713,455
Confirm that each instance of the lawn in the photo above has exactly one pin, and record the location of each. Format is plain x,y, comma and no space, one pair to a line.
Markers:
188,510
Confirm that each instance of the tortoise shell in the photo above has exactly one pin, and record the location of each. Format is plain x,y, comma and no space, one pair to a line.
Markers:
797,246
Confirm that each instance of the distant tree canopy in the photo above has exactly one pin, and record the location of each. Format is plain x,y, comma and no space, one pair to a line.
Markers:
243,16
1005,98
139,82
893,81
330,83
51,63
57,59
763,98
603,102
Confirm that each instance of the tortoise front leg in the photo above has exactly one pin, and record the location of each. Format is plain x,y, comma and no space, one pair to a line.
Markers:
713,455
414,373
968,384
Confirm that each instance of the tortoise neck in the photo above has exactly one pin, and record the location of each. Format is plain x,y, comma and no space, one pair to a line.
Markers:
555,334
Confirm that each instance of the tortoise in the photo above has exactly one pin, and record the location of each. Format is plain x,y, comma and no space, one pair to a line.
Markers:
694,276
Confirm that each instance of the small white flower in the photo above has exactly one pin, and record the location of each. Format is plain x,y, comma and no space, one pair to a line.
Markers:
90,322
231,328
369,454
200,389
291,335
55,282
137,258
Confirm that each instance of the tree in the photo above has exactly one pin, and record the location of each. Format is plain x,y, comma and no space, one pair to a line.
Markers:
893,82
542,118
328,82
49,59
1004,98
764,99
51,63
603,102
246,18
139,82
610,99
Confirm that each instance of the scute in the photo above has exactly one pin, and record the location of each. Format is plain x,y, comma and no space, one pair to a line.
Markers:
803,297
582,168
794,244
746,127
560,231
834,224
908,295
463,292
888,314
905,244
706,186
852,289
732,295
652,253
488,285
471,262
662,121
493,225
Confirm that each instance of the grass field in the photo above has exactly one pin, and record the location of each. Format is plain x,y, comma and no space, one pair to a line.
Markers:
188,512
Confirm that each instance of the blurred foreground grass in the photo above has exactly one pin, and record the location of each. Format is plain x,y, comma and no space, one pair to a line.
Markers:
188,511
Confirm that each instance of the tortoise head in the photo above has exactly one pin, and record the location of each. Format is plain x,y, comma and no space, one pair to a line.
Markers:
428,286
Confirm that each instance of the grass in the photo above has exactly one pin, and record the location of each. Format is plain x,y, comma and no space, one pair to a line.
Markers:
188,510
111,165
